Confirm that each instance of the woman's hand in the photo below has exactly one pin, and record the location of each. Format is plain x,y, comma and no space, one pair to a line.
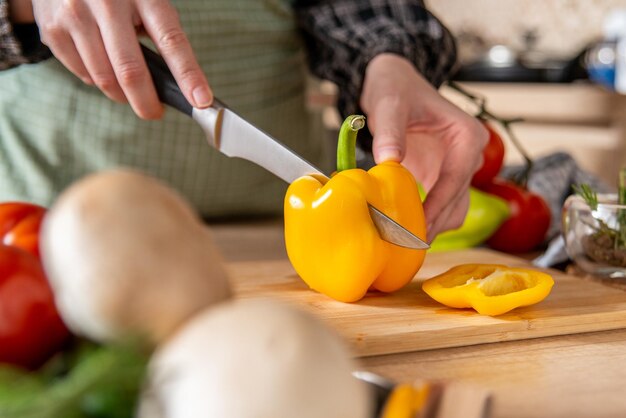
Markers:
97,41
439,143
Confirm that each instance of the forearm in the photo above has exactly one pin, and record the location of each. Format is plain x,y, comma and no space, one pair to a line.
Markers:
343,36
21,11
19,38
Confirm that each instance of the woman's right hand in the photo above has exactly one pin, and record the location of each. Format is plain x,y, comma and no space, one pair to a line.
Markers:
97,40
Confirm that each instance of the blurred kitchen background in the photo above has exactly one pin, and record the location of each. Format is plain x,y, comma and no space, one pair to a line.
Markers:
557,29
554,63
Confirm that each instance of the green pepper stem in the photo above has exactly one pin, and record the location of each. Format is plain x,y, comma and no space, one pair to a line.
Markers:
346,145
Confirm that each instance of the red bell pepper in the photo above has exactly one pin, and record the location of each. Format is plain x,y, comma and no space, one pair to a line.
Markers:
31,329
19,225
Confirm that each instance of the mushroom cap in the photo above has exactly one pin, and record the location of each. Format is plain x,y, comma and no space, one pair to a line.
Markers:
126,255
254,359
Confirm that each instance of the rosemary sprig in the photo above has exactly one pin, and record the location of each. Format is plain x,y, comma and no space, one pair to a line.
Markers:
591,198
616,235
588,194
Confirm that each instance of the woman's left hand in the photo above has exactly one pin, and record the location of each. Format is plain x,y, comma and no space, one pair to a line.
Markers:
438,142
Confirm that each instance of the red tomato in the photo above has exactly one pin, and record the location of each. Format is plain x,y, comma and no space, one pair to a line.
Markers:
19,225
528,223
30,327
493,157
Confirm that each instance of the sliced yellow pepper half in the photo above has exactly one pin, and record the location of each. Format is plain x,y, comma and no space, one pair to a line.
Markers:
491,289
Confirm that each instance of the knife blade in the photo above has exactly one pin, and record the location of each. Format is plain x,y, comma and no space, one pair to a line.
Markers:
232,135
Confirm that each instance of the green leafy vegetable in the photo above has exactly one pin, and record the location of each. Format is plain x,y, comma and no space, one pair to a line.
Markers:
588,194
88,382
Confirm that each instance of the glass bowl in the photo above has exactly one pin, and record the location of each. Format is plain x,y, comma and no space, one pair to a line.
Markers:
592,236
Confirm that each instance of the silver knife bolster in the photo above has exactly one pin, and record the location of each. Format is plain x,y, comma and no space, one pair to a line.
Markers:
210,120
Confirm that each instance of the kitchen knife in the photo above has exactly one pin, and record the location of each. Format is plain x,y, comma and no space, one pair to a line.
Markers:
235,137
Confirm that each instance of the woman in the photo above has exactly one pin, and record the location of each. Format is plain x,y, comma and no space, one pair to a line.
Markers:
383,55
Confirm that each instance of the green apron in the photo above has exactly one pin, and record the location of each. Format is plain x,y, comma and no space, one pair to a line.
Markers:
54,129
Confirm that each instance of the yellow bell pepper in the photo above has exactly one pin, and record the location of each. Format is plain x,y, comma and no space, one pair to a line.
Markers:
491,289
406,401
330,238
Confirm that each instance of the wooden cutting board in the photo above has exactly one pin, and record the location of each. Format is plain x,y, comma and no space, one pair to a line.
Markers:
409,320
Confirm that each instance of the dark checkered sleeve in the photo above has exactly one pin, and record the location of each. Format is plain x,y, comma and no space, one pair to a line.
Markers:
344,35
19,44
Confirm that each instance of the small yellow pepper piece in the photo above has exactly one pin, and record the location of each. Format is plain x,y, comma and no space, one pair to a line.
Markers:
491,289
406,401
331,240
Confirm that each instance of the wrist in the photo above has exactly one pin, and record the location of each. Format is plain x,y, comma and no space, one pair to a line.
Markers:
21,11
390,73
390,64
388,60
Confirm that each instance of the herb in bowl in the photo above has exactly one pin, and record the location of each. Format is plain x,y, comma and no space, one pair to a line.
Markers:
608,243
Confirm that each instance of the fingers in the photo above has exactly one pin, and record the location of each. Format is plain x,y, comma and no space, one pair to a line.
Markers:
162,25
65,50
389,117
451,216
97,41
452,183
448,200
122,48
94,57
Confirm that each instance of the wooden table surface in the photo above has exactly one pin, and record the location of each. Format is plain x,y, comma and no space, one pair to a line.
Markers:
582,375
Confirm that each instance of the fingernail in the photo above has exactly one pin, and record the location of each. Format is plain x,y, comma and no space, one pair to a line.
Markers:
202,96
429,233
87,80
430,236
388,154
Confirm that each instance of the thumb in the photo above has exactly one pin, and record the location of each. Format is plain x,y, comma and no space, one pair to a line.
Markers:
389,122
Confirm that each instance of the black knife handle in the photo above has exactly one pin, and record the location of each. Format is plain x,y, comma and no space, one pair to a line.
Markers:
164,82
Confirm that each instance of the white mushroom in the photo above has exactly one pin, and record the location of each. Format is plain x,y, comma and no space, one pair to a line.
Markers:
254,359
127,255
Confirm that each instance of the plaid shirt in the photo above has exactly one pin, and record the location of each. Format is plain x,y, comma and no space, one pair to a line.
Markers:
342,37
10,49
19,44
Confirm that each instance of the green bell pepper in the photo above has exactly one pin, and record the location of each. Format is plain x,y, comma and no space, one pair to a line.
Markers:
485,215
